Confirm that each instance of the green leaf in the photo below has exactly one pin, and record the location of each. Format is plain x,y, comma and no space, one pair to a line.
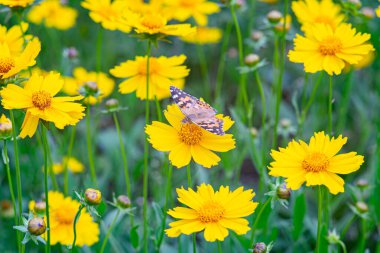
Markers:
299,211
5,157
101,208
134,237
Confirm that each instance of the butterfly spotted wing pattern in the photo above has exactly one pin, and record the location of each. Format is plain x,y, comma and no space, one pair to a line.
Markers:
197,111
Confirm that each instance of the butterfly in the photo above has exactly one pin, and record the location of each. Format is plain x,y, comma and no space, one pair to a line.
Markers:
197,111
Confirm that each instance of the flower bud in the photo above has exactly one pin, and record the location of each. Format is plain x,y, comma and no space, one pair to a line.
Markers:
362,183
361,207
356,3
254,132
6,209
123,201
274,16
5,127
251,59
256,35
91,87
71,53
37,226
232,52
283,192
260,247
112,103
240,3
285,123
333,237
92,196
40,207
368,12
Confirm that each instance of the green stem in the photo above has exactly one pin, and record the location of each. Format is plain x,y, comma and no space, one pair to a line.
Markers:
89,147
6,162
99,42
343,107
46,165
204,70
146,153
343,246
347,226
254,226
65,161
109,231
77,215
125,161
363,236
158,108
194,243
18,178
220,250
330,105
51,172
320,221
263,116
190,184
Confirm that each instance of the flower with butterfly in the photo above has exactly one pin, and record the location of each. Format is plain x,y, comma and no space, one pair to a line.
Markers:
195,131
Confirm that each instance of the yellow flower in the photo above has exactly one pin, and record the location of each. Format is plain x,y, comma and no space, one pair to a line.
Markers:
213,212
13,37
73,165
12,63
311,12
164,71
316,163
108,14
378,11
62,213
103,83
52,13
366,61
280,25
326,49
156,24
37,98
186,141
204,35
197,9
16,3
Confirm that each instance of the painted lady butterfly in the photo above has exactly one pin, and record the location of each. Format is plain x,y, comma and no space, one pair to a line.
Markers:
197,111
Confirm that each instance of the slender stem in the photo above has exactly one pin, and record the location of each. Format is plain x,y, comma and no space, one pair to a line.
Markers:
330,105
75,227
190,184
263,116
18,178
343,246
194,243
65,161
254,226
125,161
167,197
158,108
46,165
220,250
343,107
99,43
51,172
363,236
347,226
109,231
204,70
89,147
146,152
320,221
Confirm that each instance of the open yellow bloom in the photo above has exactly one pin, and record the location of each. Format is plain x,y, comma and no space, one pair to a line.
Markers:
101,81
164,71
37,98
16,3
109,14
213,212
204,35
12,62
52,13
13,37
311,12
197,9
326,49
316,163
186,141
72,164
378,11
62,213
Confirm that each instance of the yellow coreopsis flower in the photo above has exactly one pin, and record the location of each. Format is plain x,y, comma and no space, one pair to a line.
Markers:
213,212
72,164
14,38
164,71
316,163
16,3
37,98
326,49
12,63
311,12
187,141
378,11
197,9
52,13
100,81
204,35
62,211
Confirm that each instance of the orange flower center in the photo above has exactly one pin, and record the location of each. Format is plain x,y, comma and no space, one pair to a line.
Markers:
330,46
211,212
41,99
6,64
154,66
64,217
153,22
187,3
315,162
324,20
190,134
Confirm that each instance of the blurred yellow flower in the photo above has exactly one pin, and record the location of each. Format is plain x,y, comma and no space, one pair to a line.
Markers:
326,49
33,71
366,61
186,141
198,9
109,14
13,37
81,77
316,163
164,71
16,3
213,212
204,35
378,11
51,13
12,63
62,213
73,165
37,98
311,12
280,25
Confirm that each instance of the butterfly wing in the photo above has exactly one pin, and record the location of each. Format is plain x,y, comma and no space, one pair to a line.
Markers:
213,125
